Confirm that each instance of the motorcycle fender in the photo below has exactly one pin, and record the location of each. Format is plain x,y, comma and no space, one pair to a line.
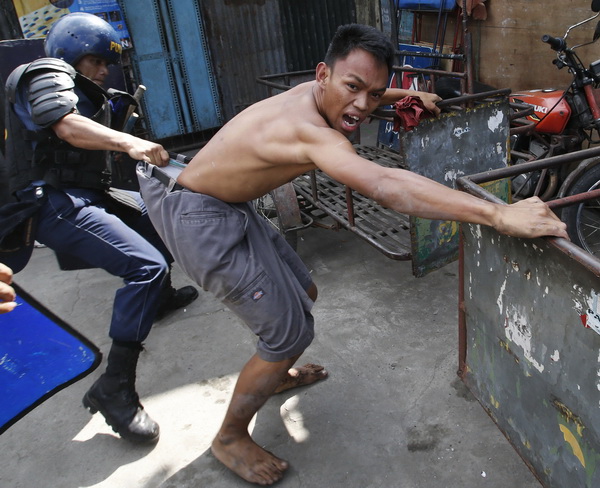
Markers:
574,175
550,112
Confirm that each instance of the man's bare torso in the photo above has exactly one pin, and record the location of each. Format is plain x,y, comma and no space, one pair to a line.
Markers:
258,150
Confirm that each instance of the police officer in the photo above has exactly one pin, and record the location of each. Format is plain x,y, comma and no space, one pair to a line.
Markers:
58,151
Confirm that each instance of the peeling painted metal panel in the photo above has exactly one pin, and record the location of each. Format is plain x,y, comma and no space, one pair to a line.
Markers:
471,141
532,316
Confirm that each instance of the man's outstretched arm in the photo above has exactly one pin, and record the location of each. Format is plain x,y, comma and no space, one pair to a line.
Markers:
409,193
392,95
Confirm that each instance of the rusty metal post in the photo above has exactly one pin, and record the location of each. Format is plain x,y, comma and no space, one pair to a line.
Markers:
468,48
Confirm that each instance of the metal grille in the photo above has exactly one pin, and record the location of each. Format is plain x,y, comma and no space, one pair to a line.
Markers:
385,229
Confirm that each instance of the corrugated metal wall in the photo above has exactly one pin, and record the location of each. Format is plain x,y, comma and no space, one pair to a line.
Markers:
308,27
252,38
245,40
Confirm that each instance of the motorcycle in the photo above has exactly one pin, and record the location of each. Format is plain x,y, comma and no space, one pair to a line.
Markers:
553,122
563,121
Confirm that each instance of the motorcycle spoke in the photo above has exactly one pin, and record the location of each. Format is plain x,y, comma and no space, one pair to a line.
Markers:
589,226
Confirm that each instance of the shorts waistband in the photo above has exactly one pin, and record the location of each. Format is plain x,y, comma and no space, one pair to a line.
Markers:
165,179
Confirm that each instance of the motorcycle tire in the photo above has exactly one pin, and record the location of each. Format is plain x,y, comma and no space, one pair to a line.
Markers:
583,219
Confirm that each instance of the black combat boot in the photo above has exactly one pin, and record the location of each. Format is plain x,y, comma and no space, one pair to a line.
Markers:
114,396
172,299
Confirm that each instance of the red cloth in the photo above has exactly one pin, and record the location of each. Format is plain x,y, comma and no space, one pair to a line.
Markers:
409,111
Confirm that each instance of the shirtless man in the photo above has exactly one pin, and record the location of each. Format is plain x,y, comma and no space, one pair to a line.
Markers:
210,227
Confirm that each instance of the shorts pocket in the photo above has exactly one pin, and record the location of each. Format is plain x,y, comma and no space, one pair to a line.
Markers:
259,303
207,240
201,217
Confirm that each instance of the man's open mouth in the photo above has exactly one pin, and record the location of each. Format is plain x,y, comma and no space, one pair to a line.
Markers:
351,120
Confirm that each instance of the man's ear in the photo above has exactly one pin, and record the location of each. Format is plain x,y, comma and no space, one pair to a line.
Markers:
322,73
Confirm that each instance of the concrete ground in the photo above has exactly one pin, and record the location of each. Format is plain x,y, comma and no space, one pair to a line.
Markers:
392,414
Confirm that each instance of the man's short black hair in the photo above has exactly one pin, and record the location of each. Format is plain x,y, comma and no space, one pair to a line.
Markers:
349,37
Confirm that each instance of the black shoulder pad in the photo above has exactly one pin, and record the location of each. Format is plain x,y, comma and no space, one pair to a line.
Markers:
51,107
50,84
42,65
51,64
46,82
51,96
13,81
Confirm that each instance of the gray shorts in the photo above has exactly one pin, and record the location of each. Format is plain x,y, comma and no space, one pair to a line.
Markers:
231,251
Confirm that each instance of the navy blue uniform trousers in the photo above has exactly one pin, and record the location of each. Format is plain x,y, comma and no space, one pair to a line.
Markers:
76,222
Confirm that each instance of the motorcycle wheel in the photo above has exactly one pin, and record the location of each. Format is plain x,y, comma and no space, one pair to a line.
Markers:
265,206
583,219
526,185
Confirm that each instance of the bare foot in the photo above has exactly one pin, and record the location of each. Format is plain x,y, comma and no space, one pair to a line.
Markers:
304,375
249,461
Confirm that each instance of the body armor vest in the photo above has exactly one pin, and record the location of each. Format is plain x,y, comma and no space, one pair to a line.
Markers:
41,155
70,167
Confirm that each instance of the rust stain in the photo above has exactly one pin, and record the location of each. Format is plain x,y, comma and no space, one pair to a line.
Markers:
568,414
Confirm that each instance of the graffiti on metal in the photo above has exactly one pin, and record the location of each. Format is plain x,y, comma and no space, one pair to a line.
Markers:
444,149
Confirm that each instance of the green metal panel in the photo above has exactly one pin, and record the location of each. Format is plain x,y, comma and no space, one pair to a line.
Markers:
443,149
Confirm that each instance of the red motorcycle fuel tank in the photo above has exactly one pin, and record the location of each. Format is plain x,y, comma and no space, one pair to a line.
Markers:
549,116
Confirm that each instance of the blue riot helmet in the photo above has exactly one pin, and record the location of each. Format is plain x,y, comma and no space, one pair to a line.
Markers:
78,34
